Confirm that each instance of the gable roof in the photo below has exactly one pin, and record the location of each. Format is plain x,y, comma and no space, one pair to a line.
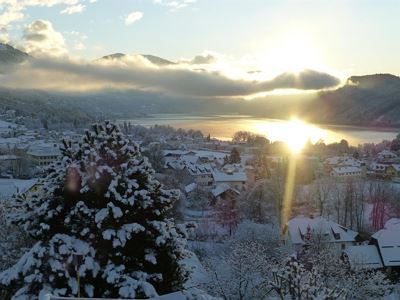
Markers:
222,188
364,257
190,187
389,245
233,177
298,228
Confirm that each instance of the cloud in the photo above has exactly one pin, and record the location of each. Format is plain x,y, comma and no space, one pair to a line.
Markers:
133,17
135,73
14,10
10,14
40,39
205,58
74,9
76,40
174,5
4,36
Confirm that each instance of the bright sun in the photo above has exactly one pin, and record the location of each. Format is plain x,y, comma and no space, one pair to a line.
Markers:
294,133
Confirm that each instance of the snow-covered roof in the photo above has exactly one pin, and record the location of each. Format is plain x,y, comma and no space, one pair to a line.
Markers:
342,161
232,177
222,188
175,152
190,187
189,158
4,124
175,164
300,226
393,224
10,187
198,169
199,275
386,154
389,244
44,150
194,155
8,157
364,257
332,160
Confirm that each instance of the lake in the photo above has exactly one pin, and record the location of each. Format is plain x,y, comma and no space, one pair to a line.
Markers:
224,126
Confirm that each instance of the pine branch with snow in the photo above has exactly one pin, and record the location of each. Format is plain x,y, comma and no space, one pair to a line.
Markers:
101,225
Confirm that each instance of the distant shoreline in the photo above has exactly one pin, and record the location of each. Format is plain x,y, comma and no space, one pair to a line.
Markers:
205,116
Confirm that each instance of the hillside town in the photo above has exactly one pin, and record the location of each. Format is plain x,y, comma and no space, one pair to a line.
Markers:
345,200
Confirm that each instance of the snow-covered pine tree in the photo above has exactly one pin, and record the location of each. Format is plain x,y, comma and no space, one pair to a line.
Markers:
101,226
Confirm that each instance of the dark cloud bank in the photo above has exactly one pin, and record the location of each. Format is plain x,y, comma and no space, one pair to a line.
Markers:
66,75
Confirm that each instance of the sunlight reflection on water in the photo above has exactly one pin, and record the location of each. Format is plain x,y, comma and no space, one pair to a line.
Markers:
224,126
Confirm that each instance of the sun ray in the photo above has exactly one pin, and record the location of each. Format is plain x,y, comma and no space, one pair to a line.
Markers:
289,190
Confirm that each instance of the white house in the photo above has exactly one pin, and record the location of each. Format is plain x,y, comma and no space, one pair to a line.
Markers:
342,161
386,155
236,180
223,188
378,167
388,243
346,172
384,250
201,173
43,154
363,257
302,231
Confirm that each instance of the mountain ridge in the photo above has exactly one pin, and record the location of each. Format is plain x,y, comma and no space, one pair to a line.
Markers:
10,55
366,100
159,61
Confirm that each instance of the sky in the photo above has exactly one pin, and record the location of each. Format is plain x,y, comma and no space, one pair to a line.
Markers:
341,38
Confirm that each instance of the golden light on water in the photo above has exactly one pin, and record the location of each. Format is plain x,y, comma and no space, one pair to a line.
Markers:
294,133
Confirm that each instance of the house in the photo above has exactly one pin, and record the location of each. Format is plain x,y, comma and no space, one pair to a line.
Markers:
338,165
10,164
346,172
393,171
13,187
236,180
386,156
363,257
388,242
382,252
301,232
43,154
201,173
378,167
224,191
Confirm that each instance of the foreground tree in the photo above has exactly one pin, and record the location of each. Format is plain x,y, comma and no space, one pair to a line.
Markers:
101,226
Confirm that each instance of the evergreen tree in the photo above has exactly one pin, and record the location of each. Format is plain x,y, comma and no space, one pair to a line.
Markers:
395,145
234,157
101,227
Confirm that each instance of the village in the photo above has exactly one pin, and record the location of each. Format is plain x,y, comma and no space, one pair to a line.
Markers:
345,198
